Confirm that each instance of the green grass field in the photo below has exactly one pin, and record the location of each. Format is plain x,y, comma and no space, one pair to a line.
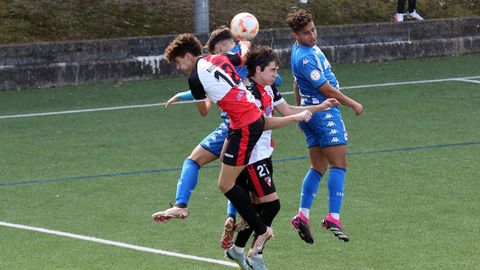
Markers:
412,190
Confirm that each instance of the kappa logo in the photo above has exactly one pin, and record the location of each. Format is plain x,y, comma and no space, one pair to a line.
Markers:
335,140
305,61
328,116
330,124
214,138
333,132
219,132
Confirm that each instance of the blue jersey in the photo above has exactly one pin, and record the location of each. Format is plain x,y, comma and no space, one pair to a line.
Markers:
311,70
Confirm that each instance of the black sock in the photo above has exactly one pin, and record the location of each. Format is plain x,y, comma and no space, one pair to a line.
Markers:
269,211
243,236
240,199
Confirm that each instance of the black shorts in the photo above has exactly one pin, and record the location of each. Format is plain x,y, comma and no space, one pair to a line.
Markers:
258,178
241,143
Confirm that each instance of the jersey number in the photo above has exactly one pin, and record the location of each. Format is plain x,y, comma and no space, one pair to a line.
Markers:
219,74
262,170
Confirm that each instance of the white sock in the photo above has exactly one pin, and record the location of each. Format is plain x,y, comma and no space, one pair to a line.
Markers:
305,212
238,249
335,215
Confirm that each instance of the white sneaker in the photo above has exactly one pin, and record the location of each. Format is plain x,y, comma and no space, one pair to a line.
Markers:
239,258
398,17
172,212
259,243
415,15
256,263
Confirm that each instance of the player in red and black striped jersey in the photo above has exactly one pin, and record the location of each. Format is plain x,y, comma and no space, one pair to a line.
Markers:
213,78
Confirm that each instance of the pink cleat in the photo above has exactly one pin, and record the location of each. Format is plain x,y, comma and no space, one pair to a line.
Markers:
335,226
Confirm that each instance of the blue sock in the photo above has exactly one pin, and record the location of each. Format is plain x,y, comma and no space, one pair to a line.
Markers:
187,182
231,210
336,179
310,184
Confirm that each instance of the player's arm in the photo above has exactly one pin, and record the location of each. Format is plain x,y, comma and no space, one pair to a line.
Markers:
203,106
244,48
329,91
286,109
279,122
296,92
182,96
199,95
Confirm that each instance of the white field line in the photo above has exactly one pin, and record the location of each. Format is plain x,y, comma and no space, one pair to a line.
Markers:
467,80
117,244
462,79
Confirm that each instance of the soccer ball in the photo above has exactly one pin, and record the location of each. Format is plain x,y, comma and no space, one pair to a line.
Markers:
244,26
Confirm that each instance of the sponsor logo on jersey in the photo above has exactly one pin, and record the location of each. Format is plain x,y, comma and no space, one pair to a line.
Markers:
315,75
240,94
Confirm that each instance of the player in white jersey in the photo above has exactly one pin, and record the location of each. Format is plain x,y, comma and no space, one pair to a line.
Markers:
213,78
325,133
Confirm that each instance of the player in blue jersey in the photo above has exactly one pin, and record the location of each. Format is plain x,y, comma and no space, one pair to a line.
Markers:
325,133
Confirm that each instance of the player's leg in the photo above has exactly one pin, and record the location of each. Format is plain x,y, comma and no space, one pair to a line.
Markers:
239,147
334,147
400,11
412,11
207,151
229,227
259,177
312,178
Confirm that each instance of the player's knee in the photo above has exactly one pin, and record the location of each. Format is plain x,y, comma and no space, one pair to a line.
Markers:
273,207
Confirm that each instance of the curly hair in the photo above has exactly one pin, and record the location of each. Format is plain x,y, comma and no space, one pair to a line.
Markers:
216,36
181,45
297,19
260,56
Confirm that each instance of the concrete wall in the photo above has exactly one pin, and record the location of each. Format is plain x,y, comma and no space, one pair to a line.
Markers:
72,63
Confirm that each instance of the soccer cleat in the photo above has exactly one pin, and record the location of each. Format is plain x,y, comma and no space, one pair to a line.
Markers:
241,225
398,17
238,257
256,263
259,242
414,15
335,226
300,223
172,212
226,241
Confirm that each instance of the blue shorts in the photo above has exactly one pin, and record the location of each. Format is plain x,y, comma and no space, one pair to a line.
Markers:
213,143
326,128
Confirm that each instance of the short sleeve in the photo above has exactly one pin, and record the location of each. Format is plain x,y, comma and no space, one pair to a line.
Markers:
277,97
312,70
196,86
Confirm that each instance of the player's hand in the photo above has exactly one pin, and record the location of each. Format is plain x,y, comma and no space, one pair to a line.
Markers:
304,116
330,102
172,100
358,109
